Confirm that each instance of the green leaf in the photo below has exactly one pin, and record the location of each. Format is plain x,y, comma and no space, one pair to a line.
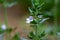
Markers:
42,34
31,35
9,30
16,37
1,1
1,31
33,22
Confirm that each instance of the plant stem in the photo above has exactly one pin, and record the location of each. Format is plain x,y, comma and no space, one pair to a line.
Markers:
55,15
37,25
5,17
55,18
37,32
5,13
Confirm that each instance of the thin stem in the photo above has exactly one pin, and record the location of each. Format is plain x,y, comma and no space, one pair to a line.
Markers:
36,30
5,16
5,13
55,17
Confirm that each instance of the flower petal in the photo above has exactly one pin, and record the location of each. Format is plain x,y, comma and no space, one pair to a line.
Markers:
40,16
31,17
27,21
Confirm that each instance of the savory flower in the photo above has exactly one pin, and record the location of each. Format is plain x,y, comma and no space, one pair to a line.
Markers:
28,20
40,16
3,27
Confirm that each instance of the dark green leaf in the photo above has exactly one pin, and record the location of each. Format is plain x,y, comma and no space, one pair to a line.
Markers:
16,37
31,35
9,30
42,34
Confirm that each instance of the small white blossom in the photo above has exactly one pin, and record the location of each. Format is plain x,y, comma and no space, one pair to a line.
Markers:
3,27
28,20
40,16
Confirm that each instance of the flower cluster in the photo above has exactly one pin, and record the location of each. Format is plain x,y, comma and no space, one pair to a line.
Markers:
30,19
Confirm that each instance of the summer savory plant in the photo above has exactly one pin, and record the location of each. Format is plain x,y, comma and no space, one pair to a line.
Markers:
35,19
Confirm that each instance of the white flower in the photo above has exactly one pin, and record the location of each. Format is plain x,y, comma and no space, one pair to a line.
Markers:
3,27
40,16
43,20
28,20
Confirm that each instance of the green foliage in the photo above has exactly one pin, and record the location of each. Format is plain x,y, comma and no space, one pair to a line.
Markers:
1,1
9,30
42,34
35,11
16,37
33,22
1,31
49,4
31,35
47,8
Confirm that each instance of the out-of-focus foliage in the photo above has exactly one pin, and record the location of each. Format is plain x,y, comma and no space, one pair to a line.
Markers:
49,4
16,37
25,3
1,31
1,1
